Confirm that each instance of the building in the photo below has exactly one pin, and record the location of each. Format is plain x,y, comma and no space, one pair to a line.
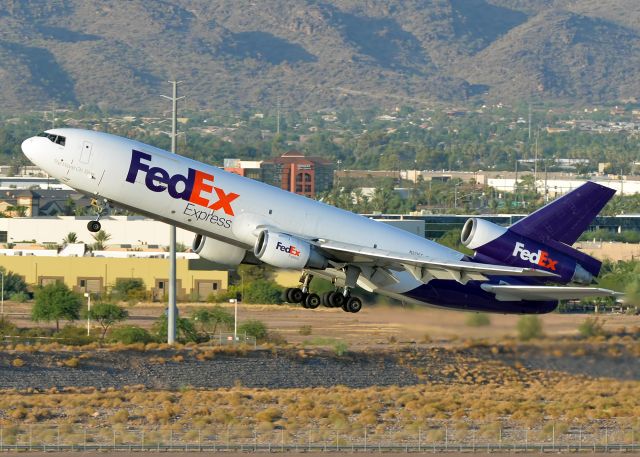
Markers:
41,202
292,171
195,278
125,231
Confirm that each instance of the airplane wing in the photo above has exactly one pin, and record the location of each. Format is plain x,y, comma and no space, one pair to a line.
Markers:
422,268
516,292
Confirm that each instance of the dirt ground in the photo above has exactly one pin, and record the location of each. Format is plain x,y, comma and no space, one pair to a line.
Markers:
373,326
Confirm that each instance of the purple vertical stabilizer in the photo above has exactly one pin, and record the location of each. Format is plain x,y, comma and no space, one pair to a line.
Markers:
566,218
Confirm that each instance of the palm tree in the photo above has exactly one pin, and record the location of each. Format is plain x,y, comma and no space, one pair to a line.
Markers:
71,238
100,240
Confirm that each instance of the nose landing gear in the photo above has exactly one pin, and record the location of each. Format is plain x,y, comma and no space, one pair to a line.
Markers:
95,226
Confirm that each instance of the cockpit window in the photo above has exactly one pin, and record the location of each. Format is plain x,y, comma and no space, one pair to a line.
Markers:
57,139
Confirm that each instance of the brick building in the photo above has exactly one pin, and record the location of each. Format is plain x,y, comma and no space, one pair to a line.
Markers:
291,171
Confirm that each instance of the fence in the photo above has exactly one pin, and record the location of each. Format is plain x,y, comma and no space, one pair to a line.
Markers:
555,437
227,339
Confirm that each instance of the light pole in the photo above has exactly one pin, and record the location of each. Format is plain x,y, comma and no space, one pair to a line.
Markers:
2,294
88,295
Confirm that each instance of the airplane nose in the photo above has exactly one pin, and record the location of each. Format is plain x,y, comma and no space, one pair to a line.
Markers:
28,148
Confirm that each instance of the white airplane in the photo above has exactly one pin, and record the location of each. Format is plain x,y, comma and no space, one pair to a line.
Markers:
237,220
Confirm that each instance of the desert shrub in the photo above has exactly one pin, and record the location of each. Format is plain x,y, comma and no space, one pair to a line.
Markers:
209,320
129,289
262,291
7,327
478,320
276,338
17,362
13,283
185,330
254,328
590,327
305,330
130,334
19,297
529,327
340,348
73,362
75,336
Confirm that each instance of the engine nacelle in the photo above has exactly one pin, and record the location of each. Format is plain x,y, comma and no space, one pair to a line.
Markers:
478,232
219,252
288,252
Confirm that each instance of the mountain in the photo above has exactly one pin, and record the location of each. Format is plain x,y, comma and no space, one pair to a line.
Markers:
311,54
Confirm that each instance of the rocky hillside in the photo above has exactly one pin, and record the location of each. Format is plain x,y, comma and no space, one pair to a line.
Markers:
316,54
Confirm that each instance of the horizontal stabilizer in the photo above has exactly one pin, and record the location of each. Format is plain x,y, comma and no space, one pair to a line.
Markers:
535,293
567,217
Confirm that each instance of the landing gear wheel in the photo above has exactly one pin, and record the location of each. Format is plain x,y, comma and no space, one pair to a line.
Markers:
297,296
353,305
336,299
287,295
312,301
94,226
324,298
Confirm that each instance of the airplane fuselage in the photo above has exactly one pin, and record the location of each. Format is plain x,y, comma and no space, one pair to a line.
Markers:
223,206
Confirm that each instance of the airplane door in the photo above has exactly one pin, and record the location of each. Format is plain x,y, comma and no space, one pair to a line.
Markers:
85,152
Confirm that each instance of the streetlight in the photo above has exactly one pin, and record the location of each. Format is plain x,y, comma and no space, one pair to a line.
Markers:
88,295
2,294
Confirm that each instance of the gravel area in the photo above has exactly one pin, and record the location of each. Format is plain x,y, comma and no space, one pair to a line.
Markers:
103,369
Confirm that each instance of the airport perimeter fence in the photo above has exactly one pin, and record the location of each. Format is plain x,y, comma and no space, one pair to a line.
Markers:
557,437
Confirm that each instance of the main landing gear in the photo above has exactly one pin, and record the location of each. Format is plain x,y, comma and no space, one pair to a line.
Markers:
95,226
334,299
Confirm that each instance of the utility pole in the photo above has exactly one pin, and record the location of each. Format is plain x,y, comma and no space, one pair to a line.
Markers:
529,122
172,311
278,116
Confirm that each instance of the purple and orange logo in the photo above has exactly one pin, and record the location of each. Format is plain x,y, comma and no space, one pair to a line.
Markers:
540,257
288,249
195,186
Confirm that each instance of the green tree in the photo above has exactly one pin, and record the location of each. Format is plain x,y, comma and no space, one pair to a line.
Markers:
70,238
107,314
100,239
54,302
254,328
208,320
185,330
13,283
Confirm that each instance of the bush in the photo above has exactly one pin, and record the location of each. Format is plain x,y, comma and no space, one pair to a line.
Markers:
209,319
75,336
13,283
261,291
7,327
19,297
130,334
478,320
254,328
590,327
129,289
340,348
529,327
185,331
